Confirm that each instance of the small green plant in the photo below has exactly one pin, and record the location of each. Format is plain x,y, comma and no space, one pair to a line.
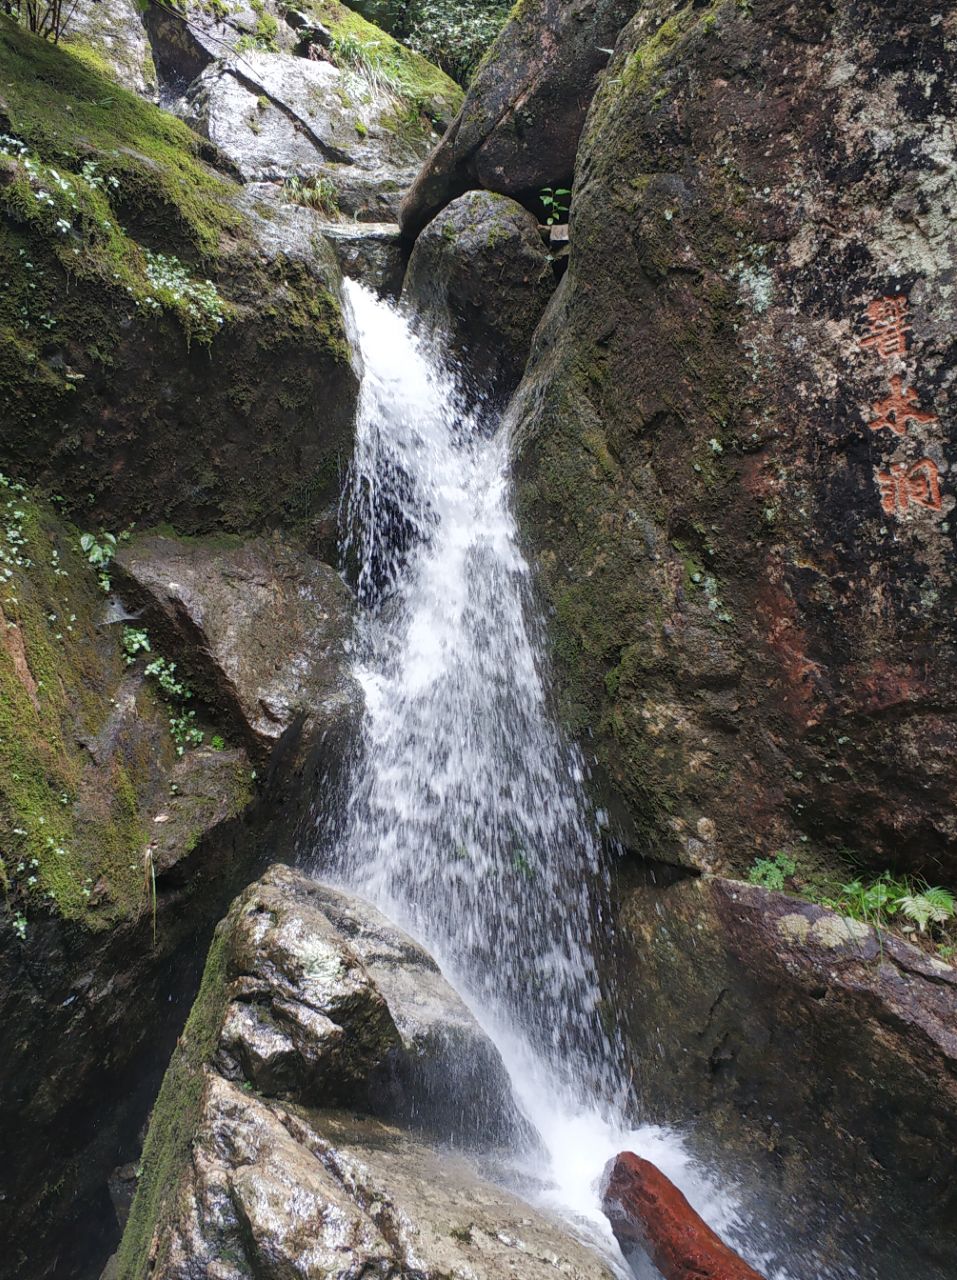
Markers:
554,200
185,732
878,902
197,301
771,873
99,551
20,925
317,193
134,642
218,742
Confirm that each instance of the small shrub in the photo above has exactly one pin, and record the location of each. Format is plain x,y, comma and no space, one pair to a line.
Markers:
134,642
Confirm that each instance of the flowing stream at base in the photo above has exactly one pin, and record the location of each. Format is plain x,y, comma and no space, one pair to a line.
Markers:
467,821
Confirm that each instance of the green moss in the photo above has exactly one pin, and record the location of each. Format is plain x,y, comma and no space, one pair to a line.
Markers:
68,112
176,1113
71,832
408,73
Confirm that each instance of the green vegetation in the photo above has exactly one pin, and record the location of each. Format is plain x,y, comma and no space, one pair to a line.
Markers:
70,832
384,64
554,200
317,193
182,722
453,35
99,554
903,904
771,873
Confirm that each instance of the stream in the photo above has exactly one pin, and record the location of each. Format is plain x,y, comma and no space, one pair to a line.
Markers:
467,820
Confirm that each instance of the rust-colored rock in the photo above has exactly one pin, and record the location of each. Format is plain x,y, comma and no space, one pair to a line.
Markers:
646,1209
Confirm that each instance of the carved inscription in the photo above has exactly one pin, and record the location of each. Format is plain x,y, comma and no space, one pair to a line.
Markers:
905,485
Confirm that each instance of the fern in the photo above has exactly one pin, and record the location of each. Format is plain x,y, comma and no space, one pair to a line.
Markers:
934,905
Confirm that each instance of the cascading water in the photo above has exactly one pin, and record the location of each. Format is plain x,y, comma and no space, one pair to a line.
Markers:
467,821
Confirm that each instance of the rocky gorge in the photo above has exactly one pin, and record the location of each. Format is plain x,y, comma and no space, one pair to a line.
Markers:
400,810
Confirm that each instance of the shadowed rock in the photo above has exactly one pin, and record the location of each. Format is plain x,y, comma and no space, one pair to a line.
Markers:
480,274
647,1211
519,126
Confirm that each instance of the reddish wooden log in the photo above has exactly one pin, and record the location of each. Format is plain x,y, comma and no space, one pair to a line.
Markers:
646,1209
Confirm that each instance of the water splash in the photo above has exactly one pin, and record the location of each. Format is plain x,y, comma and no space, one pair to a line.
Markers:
468,821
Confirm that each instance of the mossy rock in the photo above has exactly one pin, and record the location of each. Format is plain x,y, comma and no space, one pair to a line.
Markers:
139,302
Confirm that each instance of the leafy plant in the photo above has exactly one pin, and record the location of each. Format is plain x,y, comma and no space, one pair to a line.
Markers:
99,551
454,35
877,902
555,203
197,301
134,642
218,742
771,873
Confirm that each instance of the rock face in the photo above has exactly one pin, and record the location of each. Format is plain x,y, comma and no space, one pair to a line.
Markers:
805,1052
738,434
244,1176
519,126
648,1212
266,629
145,275
481,275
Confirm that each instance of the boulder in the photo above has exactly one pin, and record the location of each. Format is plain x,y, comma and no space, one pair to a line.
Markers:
148,278
450,1078
263,627
334,142
648,1212
744,534
249,1168
481,277
519,126
803,1051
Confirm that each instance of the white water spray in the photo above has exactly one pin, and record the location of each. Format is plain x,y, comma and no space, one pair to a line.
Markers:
468,821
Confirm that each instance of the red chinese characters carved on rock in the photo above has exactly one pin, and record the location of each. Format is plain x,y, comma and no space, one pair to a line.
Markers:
905,486
887,327
900,407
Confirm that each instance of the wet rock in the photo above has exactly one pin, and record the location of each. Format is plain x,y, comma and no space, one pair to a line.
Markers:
451,1077
304,1019
278,118
251,1177
648,1212
519,126
115,34
481,275
805,1052
264,629
371,252
753,621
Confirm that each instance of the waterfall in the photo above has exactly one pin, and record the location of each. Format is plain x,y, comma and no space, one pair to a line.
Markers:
468,821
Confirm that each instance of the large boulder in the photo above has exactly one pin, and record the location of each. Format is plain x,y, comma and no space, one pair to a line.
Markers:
737,436
480,275
113,34
519,126
146,328
804,1052
249,1168
264,629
